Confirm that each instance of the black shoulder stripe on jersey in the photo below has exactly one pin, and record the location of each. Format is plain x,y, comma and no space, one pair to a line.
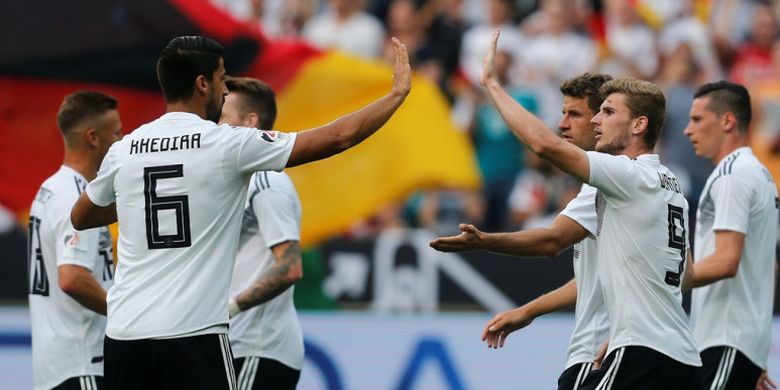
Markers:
259,181
267,183
252,197
78,184
726,166
260,187
731,163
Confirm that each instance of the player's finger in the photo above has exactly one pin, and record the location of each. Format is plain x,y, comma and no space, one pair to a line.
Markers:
468,228
401,54
498,326
442,245
492,341
502,339
486,332
488,337
496,339
494,42
396,48
489,327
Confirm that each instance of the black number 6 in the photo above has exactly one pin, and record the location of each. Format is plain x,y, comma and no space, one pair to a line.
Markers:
153,204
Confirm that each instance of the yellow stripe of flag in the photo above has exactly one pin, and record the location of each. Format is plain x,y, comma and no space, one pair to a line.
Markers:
419,147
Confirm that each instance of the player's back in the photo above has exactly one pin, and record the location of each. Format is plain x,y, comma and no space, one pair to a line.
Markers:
740,196
642,249
272,216
179,185
67,337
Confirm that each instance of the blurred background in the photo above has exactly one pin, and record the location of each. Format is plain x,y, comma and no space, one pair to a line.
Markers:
379,308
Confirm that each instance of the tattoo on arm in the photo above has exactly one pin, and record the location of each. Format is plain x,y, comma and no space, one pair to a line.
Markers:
283,274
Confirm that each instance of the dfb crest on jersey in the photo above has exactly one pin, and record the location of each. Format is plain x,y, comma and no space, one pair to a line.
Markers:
72,239
271,135
75,244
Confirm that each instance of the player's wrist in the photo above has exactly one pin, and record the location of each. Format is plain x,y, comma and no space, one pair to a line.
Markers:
485,242
530,310
233,308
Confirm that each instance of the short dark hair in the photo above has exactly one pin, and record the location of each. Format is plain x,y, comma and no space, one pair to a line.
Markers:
726,96
82,106
643,98
182,61
257,97
586,86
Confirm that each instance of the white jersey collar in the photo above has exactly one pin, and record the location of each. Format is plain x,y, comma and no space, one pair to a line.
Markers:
180,115
73,171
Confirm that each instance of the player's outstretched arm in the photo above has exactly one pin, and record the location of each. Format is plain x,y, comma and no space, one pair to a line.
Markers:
87,215
498,329
79,284
351,129
528,128
561,234
723,262
284,273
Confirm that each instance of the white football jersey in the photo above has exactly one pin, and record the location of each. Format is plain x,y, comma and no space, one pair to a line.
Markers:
591,327
179,184
642,249
67,338
272,216
739,196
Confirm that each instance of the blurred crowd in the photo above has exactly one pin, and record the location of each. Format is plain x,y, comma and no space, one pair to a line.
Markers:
679,44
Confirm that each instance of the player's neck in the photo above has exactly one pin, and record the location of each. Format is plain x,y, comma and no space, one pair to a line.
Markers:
636,149
730,144
82,162
191,106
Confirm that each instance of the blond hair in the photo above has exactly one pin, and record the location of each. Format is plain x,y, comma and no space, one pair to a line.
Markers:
643,98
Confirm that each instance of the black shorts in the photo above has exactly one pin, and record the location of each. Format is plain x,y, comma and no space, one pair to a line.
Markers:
573,377
727,368
639,368
87,382
260,373
197,362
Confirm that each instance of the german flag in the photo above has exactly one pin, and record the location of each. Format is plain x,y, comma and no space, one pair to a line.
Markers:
51,49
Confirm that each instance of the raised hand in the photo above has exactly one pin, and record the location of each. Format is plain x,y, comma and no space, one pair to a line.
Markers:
402,71
498,329
470,238
488,65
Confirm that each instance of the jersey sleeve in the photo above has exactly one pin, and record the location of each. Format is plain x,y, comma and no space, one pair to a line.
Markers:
582,209
262,150
277,209
74,246
732,196
101,190
613,175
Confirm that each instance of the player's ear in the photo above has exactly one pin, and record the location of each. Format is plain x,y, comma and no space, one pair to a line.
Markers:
252,120
639,125
728,121
201,84
90,137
